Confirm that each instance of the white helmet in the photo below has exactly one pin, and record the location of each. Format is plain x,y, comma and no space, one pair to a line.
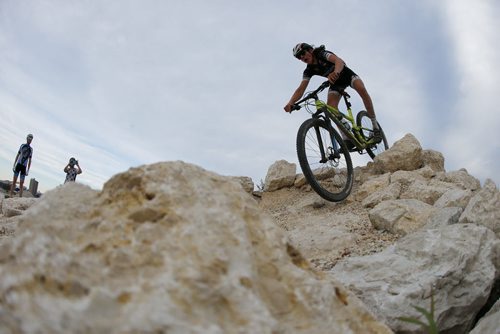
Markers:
300,49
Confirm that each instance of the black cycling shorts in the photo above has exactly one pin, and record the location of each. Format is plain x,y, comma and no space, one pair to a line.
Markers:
345,79
20,168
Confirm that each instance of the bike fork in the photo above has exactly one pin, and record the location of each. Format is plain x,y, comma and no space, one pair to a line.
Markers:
333,155
321,147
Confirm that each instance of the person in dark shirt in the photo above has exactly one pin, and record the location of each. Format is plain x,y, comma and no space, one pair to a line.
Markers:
326,64
72,169
22,165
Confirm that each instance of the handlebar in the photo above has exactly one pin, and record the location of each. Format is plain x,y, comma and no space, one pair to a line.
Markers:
311,95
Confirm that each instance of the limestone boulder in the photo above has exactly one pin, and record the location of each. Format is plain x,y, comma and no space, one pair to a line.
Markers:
427,172
405,154
388,193
458,262
406,178
489,324
8,226
280,174
484,208
15,206
245,182
363,173
300,181
427,191
454,198
443,217
326,240
372,185
461,178
401,216
433,159
167,247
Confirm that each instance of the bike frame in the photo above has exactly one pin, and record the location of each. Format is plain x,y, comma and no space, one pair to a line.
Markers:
335,144
336,116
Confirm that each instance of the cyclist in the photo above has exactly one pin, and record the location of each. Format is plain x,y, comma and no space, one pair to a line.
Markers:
22,164
326,64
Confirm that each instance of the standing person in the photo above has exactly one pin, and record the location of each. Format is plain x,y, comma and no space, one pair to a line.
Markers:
72,169
326,64
22,165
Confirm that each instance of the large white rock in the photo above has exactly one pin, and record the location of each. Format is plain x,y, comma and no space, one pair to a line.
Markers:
326,239
400,216
460,262
385,194
443,217
405,154
484,208
406,178
426,191
280,174
170,248
490,323
461,178
15,206
372,185
433,159
246,182
454,198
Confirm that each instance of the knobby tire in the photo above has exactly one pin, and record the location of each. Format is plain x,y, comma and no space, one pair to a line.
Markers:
331,179
363,120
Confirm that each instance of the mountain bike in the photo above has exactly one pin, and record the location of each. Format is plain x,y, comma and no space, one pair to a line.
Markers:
323,152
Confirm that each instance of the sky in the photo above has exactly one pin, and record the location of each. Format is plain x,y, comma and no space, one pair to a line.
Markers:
121,83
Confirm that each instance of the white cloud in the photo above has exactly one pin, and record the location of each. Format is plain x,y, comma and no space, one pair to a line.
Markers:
470,136
121,84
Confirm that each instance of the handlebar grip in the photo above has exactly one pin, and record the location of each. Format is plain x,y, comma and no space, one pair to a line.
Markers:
325,84
295,107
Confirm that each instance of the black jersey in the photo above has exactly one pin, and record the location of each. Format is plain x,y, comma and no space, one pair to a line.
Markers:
324,67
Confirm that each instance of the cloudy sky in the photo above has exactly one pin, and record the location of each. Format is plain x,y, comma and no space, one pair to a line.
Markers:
121,83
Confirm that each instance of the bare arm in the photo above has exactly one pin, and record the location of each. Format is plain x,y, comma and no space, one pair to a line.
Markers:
29,166
15,160
79,168
297,95
339,66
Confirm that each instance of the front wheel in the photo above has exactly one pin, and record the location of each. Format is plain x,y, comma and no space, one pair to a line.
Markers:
365,123
324,160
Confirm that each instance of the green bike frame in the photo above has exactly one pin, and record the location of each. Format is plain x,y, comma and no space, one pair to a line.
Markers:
336,116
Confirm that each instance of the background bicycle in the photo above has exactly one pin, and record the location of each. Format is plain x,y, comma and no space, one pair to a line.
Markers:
324,153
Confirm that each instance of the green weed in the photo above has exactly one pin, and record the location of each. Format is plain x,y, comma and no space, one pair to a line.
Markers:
430,326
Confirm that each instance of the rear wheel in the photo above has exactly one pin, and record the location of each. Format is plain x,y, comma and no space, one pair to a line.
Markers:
363,121
324,160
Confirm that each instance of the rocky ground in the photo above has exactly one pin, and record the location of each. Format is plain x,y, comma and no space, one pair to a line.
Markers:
325,231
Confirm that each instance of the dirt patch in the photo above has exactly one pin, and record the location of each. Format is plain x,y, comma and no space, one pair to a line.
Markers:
324,232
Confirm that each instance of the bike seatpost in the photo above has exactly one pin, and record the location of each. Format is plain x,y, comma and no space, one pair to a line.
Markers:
346,99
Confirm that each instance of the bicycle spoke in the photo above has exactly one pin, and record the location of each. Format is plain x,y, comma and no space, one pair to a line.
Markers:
329,172
365,123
